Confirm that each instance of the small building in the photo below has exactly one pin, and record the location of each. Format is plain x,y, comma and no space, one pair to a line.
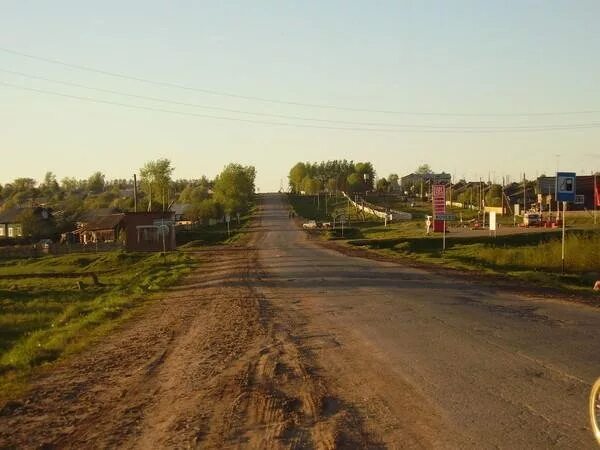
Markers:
149,231
10,225
94,214
415,179
102,229
179,210
10,220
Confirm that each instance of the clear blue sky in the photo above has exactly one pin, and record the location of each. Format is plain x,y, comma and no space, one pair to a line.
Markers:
450,57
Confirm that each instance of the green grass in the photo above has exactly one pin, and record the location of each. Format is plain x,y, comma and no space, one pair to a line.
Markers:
44,319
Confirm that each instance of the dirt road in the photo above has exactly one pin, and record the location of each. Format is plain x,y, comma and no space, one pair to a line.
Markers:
284,344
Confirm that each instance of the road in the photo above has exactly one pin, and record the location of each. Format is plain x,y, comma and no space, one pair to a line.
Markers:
286,344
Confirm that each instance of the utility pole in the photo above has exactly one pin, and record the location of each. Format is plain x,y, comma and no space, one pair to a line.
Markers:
563,236
134,192
556,187
596,198
524,194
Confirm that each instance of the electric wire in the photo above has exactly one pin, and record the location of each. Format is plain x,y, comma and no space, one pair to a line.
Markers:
408,128
283,102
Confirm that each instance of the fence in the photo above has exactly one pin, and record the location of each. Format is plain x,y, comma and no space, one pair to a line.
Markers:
377,212
33,251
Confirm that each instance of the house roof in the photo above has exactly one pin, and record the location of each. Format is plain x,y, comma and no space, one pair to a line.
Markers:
104,222
94,214
11,215
179,208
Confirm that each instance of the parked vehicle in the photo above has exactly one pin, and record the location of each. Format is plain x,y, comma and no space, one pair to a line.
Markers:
532,220
310,225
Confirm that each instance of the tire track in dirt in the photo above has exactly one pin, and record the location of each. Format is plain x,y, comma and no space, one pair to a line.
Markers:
210,365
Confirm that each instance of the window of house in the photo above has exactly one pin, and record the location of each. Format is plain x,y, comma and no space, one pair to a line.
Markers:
1,230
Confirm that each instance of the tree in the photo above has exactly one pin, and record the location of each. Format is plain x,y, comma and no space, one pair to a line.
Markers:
382,185
193,194
296,176
355,182
95,182
424,169
155,180
22,191
204,210
234,188
332,185
69,184
311,186
393,181
365,168
37,224
50,188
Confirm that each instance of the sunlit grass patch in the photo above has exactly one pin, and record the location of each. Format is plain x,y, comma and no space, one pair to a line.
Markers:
42,319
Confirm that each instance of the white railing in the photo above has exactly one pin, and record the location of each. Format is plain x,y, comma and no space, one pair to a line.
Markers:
371,209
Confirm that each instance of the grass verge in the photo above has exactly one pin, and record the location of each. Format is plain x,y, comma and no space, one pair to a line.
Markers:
45,319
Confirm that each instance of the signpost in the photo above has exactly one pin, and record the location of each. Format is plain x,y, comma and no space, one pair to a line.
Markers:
565,193
342,219
439,209
493,224
228,219
163,227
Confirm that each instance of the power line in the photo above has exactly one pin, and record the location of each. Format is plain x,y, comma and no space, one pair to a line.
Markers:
238,111
407,128
285,102
214,108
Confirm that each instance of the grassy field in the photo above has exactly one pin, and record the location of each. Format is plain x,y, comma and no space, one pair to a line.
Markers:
44,317
534,257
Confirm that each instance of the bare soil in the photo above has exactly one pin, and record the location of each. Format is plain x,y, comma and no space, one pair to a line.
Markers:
210,365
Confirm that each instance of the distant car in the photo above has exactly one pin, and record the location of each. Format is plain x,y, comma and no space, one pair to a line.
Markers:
326,224
310,225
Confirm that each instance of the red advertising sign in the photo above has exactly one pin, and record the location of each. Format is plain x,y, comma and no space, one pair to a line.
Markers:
597,190
439,199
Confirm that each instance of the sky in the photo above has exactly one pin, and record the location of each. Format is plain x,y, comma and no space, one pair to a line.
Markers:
472,88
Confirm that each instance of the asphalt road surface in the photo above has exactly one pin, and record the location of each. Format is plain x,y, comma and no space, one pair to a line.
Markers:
444,362
282,343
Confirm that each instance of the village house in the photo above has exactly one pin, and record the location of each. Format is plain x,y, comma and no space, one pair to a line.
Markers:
102,229
10,220
10,225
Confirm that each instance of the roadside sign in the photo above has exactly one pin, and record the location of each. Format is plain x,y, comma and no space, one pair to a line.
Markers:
493,225
565,187
447,217
439,199
227,218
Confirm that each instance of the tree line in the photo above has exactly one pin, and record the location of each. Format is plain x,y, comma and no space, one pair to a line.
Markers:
230,192
331,176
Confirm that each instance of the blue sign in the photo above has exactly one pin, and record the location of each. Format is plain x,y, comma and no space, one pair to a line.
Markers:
565,187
